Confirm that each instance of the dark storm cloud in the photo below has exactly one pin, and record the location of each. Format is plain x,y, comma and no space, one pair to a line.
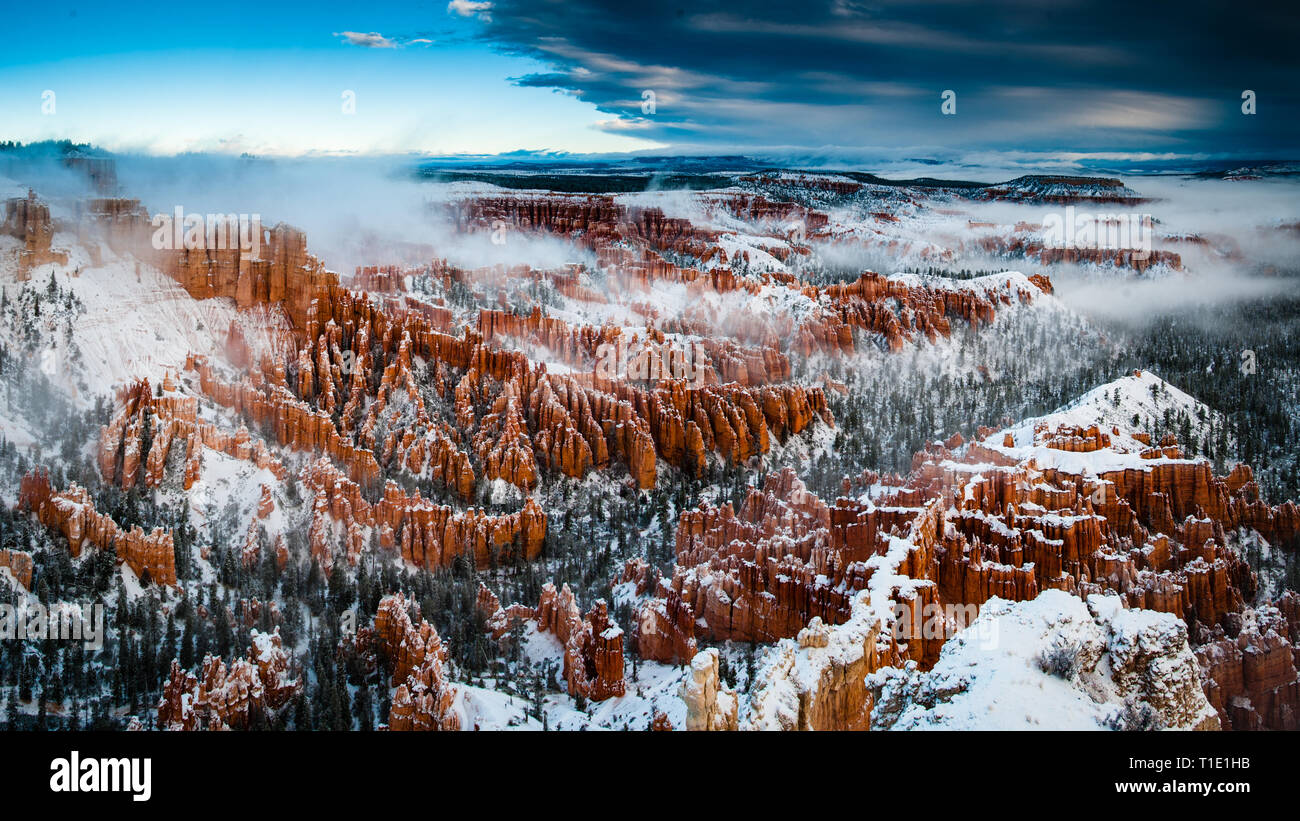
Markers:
1081,76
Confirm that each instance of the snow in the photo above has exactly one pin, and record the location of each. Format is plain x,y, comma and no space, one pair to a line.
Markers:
11,581
226,481
655,689
263,646
1055,663
651,688
988,285
138,322
481,708
1098,407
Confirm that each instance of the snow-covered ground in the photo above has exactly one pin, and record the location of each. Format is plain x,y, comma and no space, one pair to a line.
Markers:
138,323
1053,663
651,688
1112,407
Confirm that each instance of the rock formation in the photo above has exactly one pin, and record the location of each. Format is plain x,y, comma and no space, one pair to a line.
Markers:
20,564
138,443
593,645
424,699
1250,677
426,534
709,705
28,219
151,556
884,579
1054,661
222,697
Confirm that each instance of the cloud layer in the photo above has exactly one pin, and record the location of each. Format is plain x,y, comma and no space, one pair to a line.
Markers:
1028,74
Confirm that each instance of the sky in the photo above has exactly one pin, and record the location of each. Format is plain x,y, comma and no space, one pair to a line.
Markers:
823,78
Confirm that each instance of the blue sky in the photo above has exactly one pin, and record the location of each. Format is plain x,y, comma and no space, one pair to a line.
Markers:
755,76
239,76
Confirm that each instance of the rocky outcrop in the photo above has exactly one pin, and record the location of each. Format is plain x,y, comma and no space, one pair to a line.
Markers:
754,576
1250,669
1060,189
1033,248
222,697
424,698
500,620
426,534
138,443
19,564
570,423
709,705
1054,662
101,172
821,684
648,357
896,310
379,278
150,555
353,372
293,423
502,443
633,243
239,260
278,270
28,219
886,578
666,629
593,645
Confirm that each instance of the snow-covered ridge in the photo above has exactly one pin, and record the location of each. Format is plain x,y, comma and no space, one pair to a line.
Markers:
1111,407
986,285
1054,662
1038,187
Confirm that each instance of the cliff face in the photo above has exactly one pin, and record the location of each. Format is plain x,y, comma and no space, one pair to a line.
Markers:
245,262
222,697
